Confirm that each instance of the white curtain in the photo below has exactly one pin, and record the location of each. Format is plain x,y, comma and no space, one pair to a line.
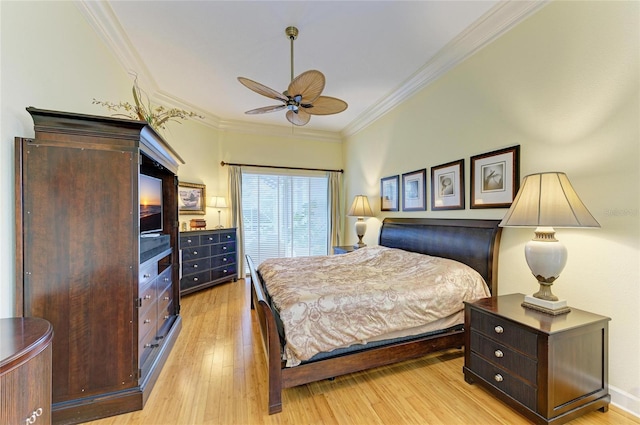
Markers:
335,208
235,199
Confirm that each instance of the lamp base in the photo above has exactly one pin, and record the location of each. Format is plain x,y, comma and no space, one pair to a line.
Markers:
554,308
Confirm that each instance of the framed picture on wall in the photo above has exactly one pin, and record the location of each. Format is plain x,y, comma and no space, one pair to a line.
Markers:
191,198
414,190
389,191
495,178
447,186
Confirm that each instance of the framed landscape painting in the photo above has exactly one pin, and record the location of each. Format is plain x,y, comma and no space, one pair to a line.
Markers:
191,198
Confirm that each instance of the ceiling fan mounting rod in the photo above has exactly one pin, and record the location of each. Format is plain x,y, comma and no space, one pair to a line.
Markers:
292,33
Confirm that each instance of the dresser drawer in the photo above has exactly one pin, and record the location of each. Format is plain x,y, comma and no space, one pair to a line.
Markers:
195,279
209,239
505,332
503,356
223,260
195,253
227,236
195,266
223,248
189,241
221,272
504,381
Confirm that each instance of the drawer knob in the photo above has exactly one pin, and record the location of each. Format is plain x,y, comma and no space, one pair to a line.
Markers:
499,329
34,416
189,240
224,259
147,297
224,271
147,321
499,353
195,279
228,236
195,252
195,266
210,238
166,317
498,378
224,248
166,298
146,276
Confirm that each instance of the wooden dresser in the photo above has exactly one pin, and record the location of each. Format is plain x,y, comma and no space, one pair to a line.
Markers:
25,371
209,257
81,264
551,369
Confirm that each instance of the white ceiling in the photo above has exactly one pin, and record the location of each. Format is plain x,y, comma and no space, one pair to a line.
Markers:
373,54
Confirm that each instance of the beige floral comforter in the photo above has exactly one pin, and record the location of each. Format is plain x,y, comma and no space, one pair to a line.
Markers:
335,301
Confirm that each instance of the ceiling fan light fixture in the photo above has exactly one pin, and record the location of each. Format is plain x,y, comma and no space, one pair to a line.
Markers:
307,87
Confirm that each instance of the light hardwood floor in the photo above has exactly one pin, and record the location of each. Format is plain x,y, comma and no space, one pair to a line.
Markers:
216,375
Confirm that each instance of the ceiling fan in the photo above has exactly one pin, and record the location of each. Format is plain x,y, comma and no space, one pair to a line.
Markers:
302,98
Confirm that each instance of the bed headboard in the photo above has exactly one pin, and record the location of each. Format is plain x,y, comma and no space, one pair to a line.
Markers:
472,242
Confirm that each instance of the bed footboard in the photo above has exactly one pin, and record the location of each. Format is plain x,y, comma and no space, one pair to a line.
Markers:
270,339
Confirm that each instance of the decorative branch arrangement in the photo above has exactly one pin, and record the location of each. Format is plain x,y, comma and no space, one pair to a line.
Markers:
142,110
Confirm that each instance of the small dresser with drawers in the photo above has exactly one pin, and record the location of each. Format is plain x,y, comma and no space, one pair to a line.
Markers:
551,369
25,371
209,257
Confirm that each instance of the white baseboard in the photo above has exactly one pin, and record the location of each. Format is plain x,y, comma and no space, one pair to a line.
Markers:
625,401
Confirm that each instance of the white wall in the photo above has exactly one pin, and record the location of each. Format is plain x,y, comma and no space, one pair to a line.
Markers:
564,86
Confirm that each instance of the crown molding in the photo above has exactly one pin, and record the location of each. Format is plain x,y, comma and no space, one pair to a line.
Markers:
496,22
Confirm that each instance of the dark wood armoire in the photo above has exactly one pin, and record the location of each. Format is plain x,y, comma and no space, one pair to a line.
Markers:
114,307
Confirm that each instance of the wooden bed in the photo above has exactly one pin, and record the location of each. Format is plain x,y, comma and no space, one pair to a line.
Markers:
472,242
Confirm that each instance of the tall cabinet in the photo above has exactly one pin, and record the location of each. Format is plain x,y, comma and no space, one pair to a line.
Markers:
114,307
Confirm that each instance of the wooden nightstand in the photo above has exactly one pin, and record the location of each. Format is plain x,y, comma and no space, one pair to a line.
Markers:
551,369
343,249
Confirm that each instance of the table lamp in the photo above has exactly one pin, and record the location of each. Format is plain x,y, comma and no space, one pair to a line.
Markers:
360,208
545,201
218,202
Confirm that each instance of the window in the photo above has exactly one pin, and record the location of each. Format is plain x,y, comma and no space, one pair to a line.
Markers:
284,215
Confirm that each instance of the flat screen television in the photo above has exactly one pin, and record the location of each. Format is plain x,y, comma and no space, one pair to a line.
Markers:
150,192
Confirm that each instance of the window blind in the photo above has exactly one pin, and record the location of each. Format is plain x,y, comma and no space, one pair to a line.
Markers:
284,215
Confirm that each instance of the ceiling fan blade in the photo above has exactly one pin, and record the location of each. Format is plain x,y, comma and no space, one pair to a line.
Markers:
262,89
309,85
298,118
266,109
325,105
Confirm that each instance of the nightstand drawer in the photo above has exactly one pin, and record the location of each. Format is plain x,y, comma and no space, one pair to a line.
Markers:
503,356
505,332
504,381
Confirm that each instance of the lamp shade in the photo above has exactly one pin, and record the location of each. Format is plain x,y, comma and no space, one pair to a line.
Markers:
548,200
360,207
218,202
